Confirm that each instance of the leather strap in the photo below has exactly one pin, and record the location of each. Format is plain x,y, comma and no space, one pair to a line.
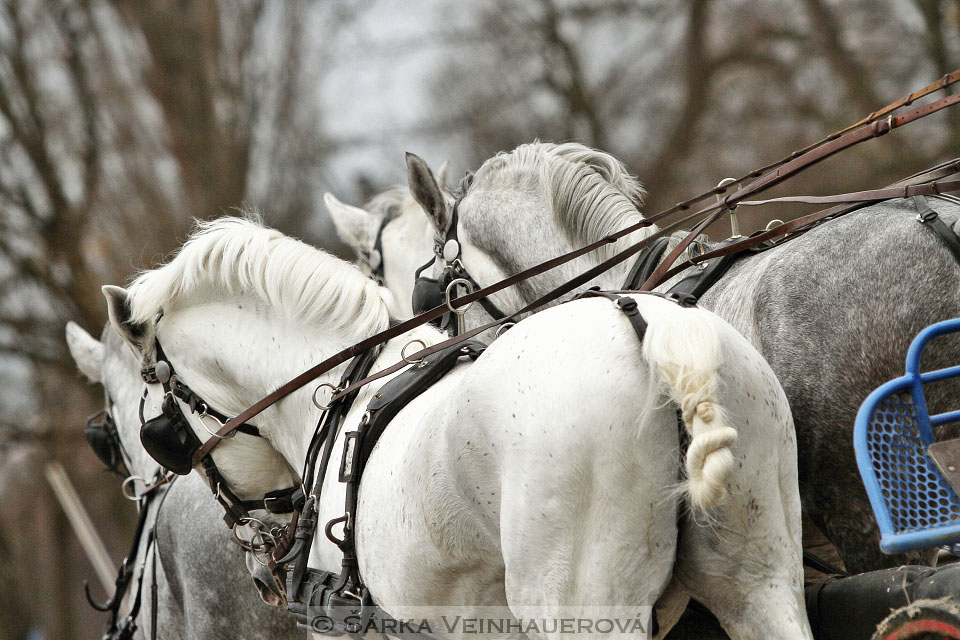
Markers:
932,219
794,166
803,223
645,263
873,195
769,179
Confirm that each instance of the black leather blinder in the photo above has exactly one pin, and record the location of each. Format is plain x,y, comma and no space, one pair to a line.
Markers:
169,439
101,434
428,293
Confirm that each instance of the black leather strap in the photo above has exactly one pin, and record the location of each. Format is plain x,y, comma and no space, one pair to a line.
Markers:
626,304
645,263
395,395
932,219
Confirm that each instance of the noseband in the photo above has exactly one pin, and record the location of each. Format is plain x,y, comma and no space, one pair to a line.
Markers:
429,293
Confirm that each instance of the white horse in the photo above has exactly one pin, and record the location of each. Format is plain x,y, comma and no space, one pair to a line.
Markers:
543,475
391,236
832,311
203,588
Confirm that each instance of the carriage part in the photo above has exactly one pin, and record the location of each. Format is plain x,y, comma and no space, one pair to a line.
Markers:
80,521
852,607
922,620
914,504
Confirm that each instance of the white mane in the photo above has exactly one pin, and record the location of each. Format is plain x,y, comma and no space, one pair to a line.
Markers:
391,203
591,192
240,257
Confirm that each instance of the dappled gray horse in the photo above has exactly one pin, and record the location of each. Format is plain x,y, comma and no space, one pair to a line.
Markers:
832,311
204,589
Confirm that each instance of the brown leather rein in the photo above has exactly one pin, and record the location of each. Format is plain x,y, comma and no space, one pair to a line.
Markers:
775,173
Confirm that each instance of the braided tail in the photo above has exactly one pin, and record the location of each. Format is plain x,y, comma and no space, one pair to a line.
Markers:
684,349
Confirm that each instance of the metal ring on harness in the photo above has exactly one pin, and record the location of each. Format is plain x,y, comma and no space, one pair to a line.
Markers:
403,352
333,391
130,481
255,548
450,289
734,225
503,328
203,414
776,222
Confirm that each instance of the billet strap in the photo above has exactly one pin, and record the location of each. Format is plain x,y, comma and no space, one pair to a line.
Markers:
932,219
786,168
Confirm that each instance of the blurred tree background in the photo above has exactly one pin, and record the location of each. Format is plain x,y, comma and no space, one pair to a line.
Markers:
122,120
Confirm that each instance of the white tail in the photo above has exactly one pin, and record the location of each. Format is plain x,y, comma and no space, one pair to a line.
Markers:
683,348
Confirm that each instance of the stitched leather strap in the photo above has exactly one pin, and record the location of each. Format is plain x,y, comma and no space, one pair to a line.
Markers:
788,169
797,224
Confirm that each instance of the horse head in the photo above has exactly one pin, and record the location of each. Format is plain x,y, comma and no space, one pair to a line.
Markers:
391,237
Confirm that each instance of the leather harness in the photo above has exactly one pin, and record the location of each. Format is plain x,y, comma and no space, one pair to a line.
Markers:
307,587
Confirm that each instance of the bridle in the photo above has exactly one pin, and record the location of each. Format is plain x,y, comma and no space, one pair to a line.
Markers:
171,441
103,437
432,292
374,257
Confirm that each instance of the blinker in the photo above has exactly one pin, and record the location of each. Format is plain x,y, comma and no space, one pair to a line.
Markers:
169,439
101,434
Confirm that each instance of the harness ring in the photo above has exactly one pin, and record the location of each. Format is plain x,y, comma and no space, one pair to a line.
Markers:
131,481
333,391
203,414
403,352
451,289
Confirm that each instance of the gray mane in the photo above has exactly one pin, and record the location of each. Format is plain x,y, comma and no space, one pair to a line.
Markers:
591,193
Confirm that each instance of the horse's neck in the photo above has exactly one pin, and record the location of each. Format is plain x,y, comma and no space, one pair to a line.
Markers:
613,278
240,355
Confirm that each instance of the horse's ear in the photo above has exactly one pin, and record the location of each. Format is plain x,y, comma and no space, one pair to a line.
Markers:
87,352
426,191
137,335
443,175
353,224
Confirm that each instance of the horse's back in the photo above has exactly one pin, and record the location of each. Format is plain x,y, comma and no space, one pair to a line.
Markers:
833,312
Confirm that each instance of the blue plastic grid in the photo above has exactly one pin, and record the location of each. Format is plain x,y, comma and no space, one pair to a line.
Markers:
914,506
